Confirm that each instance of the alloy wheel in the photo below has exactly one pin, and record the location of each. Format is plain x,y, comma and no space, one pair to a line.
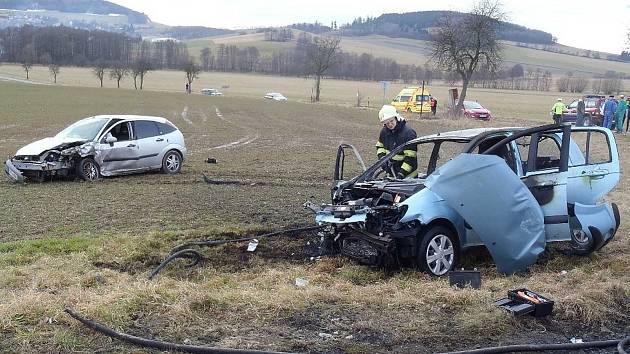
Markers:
440,254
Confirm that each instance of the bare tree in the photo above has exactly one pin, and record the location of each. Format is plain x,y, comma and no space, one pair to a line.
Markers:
139,69
54,70
27,65
192,70
321,56
99,71
118,72
463,43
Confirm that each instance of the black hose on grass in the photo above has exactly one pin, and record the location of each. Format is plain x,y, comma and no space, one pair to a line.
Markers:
186,253
619,343
156,344
184,250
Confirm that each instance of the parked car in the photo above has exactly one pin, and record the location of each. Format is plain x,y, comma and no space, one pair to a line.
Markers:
211,92
512,190
592,104
105,145
473,109
275,96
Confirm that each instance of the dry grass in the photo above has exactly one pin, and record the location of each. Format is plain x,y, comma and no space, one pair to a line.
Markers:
90,246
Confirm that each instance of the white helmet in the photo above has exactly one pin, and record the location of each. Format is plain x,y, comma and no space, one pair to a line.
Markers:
387,112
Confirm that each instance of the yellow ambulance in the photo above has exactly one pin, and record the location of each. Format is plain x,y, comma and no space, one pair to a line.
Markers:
413,99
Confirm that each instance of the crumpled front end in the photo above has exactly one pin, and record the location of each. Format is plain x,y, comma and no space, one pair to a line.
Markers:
371,234
59,161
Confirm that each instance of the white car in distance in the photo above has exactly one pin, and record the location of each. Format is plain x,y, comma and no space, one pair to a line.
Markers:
275,96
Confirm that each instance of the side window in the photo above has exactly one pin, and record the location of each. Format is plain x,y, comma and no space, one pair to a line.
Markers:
121,132
165,128
145,129
594,147
548,153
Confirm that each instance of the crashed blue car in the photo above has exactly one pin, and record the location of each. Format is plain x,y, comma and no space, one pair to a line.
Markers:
512,190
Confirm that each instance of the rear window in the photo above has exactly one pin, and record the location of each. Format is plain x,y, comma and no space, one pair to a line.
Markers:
146,129
165,128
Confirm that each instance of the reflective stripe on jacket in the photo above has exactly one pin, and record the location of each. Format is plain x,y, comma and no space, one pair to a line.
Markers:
406,161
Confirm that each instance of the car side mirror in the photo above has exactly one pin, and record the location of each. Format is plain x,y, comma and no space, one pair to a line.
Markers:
110,139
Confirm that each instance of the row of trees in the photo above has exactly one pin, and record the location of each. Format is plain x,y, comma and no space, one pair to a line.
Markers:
68,46
297,62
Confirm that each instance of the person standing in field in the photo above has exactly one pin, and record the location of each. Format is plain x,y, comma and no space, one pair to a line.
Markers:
581,112
394,133
620,113
557,110
610,107
433,105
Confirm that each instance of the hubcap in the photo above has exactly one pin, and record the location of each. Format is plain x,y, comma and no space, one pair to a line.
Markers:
90,171
172,162
580,236
440,254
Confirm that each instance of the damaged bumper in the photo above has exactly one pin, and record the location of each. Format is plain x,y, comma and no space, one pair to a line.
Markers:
13,172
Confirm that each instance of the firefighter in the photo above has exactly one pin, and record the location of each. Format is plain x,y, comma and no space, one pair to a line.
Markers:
395,132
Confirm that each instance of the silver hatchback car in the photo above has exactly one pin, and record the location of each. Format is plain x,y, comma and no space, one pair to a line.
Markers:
104,145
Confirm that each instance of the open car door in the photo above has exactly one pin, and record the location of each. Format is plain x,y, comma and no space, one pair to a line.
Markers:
507,211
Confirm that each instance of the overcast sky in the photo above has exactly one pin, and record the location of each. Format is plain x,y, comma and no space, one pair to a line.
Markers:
599,25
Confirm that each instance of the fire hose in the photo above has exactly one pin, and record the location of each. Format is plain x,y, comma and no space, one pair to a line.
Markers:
185,250
622,344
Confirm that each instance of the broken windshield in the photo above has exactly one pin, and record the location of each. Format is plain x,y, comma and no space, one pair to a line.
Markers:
85,129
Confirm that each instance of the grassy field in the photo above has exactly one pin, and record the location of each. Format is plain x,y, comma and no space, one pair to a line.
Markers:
411,51
529,105
91,245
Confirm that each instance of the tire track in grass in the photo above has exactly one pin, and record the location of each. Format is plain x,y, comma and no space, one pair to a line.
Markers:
240,142
184,115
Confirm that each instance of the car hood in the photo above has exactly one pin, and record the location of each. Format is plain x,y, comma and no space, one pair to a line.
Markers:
37,147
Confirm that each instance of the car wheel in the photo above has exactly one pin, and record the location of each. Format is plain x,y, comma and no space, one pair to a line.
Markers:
438,252
172,162
88,169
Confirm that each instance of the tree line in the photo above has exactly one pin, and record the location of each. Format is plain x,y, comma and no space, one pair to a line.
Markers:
66,46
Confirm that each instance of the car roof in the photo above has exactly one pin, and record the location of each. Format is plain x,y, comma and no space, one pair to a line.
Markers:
468,133
130,117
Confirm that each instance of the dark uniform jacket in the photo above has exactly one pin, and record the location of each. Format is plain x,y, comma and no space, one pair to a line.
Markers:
405,162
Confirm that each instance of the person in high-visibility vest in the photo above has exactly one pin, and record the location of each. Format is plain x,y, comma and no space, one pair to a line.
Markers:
395,132
557,111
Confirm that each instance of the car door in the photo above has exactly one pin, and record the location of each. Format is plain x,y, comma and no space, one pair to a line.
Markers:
545,168
150,143
593,165
121,155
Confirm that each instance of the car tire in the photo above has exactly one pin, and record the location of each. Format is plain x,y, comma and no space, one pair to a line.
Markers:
172,162
438,251
88,169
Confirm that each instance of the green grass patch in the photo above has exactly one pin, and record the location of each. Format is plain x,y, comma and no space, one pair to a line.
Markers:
25,252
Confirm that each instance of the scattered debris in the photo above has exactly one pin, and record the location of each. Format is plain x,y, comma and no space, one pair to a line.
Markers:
185,250
251,247
325,335
576,340
523,301
300,283
465,278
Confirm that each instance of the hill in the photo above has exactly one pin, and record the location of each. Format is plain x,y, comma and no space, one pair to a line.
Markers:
413,51
94,15
417,25
98,7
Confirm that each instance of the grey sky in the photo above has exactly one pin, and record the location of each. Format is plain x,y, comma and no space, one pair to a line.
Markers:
577,23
